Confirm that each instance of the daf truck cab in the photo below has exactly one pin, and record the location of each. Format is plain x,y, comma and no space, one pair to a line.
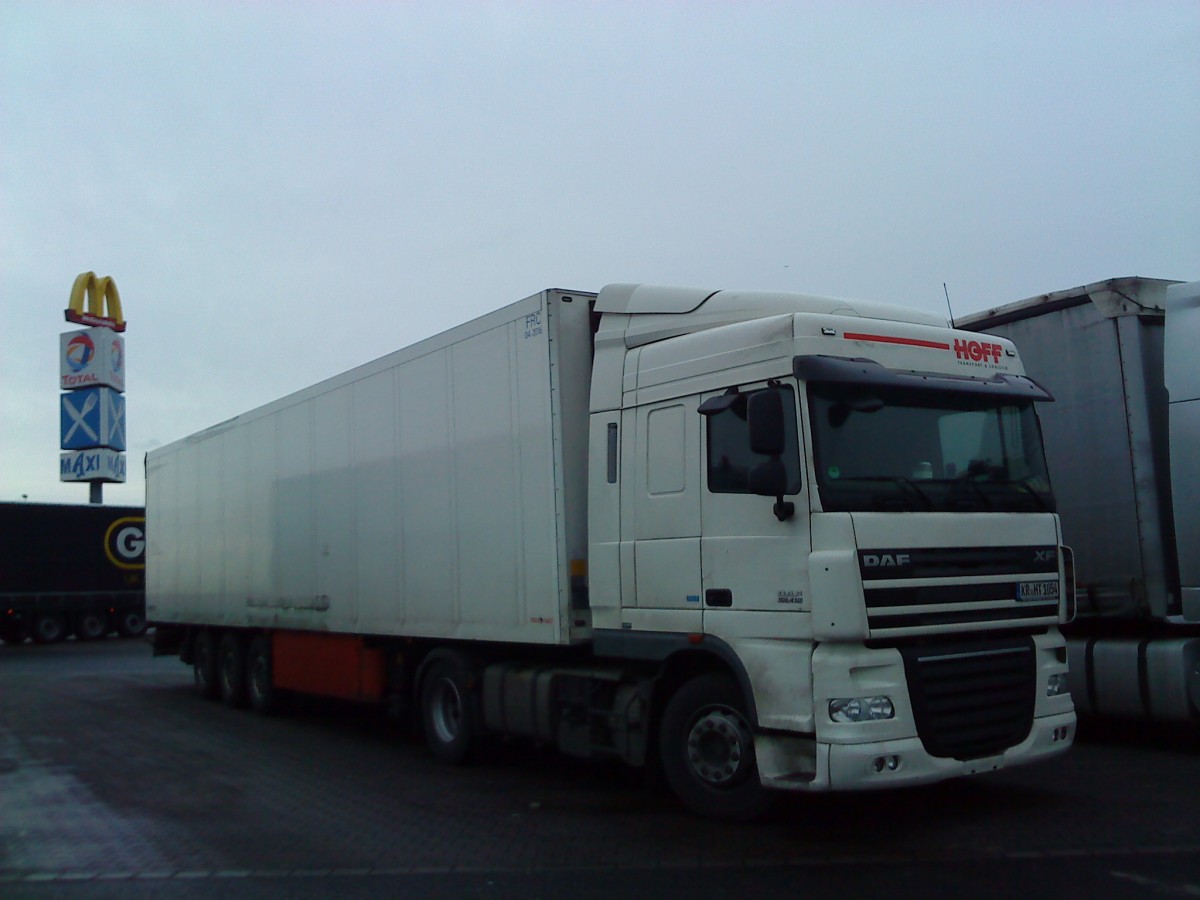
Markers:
848,506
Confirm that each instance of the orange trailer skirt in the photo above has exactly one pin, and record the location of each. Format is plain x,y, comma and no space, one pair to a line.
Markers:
328,665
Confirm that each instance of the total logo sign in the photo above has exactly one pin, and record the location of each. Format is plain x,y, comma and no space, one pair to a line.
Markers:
80,350
92,358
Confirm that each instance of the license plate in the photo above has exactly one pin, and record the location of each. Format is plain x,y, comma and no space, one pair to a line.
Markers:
1037,590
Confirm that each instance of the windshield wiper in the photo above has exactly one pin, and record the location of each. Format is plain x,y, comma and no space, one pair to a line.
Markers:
968,480
1024,485
896,479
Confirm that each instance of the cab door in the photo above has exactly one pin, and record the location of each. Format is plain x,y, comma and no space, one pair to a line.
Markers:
750,559
664,531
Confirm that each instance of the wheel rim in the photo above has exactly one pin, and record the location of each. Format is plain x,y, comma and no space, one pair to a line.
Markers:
90,627
201,666
258,675
446,711
49,629
228,671
718,748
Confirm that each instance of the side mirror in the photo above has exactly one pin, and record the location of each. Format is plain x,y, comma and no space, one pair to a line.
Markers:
768,479
764,415
768,437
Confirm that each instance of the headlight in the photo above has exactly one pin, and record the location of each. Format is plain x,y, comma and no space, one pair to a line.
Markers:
861,709
1056,684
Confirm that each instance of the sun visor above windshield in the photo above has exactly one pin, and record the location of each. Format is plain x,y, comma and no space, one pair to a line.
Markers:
866,372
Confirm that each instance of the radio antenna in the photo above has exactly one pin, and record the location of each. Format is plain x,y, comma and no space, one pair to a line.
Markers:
946,291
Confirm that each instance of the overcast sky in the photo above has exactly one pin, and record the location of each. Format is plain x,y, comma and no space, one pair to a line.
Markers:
284,190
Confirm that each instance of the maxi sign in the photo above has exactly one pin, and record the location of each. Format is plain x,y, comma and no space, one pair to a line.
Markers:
92,372
99,464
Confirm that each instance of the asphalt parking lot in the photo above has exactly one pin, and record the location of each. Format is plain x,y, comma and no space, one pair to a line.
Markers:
117,780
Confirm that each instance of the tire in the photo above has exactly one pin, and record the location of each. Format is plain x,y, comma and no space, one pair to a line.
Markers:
13,633
130,623
708,750
48,628
204,665
91,625
260,687
231,670
446,711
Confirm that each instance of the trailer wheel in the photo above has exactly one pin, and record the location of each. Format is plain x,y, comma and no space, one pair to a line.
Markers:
204,665
48,628
260,689
445,711
708,750
231,670
13,633
131,623
91,625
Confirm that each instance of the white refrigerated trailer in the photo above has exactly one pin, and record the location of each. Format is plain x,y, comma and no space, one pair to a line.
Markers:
1123,444
765,541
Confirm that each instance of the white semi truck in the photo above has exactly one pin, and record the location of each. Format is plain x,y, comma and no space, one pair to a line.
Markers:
1122,358
766,541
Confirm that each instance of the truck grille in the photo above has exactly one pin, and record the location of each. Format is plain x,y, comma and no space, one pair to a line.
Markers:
901,601
972,699
892,608
955,562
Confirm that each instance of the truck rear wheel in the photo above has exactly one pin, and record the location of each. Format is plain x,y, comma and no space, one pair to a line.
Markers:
445,711
204,665
260,689
708,750
91,625
48,628
130,623
231,670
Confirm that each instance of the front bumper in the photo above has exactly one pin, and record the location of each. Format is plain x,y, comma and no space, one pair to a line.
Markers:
796,764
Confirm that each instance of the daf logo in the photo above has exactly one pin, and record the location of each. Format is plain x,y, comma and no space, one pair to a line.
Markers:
881,560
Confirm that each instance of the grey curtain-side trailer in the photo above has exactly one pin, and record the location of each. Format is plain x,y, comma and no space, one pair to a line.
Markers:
1122,359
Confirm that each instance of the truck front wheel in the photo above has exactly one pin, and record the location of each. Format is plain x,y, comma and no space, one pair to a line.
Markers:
204,665
445,711
708,750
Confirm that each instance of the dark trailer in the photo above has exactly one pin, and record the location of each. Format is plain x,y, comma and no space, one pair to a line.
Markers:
71,569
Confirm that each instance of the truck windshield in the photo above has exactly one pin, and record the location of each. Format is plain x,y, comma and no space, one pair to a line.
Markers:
886,449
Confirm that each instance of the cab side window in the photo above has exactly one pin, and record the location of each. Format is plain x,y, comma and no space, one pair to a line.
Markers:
730,458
